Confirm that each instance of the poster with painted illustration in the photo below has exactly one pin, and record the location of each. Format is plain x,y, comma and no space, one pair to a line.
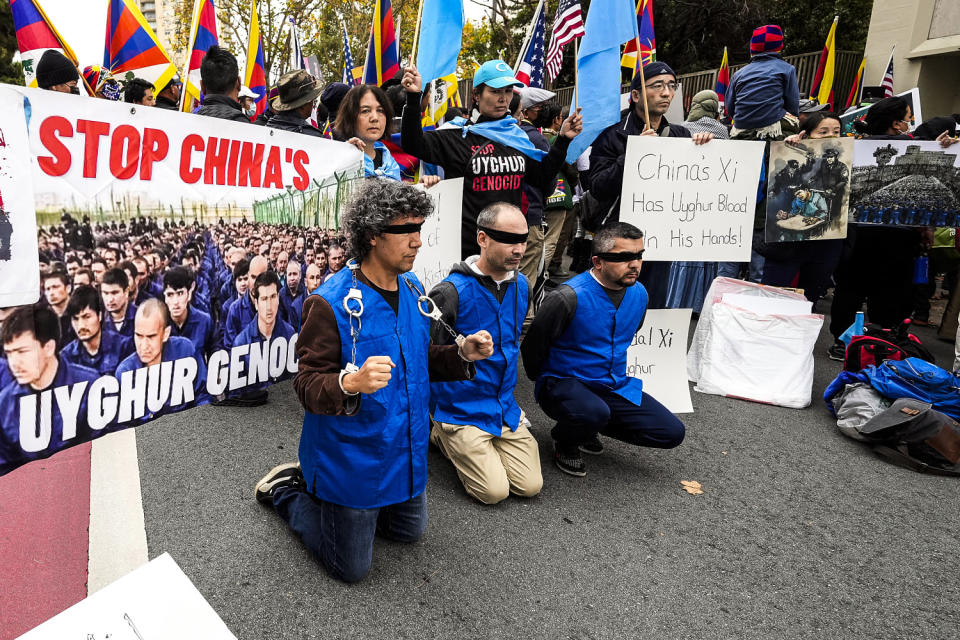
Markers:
905,183
808,188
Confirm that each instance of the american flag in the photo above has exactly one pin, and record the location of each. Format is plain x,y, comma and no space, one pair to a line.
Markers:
531,67
887,82
347,60
567,25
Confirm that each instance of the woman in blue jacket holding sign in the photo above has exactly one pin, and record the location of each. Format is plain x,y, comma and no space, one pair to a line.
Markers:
489,150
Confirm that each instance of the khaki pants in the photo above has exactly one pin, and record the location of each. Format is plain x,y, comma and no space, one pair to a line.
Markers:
532,260
490,467
555,219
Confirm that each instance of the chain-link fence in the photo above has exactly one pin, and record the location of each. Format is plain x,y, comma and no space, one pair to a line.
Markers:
318,205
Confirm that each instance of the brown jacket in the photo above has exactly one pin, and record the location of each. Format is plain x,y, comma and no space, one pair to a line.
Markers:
319,348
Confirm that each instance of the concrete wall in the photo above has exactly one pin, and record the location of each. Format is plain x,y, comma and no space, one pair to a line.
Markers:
927,38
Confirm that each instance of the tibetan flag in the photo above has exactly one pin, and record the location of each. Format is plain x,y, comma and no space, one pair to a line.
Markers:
723,80
857,89
822,88
648,41
254,75
35,34
132,46
204,36
382,63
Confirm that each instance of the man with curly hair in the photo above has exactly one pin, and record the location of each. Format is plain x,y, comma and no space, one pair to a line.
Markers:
364,382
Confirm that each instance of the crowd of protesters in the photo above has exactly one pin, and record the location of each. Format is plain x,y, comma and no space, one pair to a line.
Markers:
123,295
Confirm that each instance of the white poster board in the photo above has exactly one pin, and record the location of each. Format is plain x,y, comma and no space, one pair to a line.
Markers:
155,601
19,260
658,356
692,202
440,234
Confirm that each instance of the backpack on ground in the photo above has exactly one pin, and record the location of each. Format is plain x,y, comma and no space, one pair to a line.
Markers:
878,344
914,435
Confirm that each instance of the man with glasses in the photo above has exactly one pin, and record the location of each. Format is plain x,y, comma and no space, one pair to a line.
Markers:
609,151
477,423
576,351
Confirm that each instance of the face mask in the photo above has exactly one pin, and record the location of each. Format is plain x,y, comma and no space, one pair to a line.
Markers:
252,111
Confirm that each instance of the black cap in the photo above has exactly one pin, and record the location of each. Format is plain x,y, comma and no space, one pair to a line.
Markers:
55,68
333,95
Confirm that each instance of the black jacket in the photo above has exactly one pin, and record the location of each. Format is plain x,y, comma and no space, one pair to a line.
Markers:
164,102
223,107
291,121
536,196
609,151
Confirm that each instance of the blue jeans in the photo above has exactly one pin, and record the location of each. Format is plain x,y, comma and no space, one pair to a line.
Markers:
732,269
582,412
342,537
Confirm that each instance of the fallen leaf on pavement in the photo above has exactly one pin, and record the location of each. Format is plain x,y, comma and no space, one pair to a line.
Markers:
692,487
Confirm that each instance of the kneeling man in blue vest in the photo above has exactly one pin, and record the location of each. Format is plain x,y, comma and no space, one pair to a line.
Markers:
363,448
576,351
477,423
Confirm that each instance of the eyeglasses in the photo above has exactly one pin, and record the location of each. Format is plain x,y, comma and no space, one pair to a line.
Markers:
658,86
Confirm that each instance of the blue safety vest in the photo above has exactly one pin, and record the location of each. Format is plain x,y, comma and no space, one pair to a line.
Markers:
487,401
378,456
593,349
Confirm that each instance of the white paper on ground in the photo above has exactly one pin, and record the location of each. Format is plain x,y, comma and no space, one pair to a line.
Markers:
657,356
155,601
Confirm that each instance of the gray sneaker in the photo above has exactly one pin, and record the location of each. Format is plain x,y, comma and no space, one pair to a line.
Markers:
283,475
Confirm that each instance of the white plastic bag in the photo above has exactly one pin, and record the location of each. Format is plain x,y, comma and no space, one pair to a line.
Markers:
760,357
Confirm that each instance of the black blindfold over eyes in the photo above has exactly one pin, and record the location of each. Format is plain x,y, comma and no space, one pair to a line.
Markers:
504,237
398,229
623,256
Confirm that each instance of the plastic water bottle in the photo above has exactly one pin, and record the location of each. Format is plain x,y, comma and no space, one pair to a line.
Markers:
921,269
856,329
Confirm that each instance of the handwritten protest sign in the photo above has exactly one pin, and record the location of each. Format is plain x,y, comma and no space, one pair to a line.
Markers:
155,601
692,202
440,234
658,356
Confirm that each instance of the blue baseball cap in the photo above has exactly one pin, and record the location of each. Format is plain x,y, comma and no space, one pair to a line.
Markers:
496,74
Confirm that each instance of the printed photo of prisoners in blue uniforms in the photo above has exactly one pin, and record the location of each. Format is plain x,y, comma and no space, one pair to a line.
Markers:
905,183
808,189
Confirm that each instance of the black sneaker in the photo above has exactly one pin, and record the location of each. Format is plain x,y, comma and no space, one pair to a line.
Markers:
283,475
593,446
569,460
837,351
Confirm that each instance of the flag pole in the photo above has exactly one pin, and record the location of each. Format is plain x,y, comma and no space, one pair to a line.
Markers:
416,35
643,84
576,76
189,52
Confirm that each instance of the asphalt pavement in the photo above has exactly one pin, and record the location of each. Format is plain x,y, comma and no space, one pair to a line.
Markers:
800,533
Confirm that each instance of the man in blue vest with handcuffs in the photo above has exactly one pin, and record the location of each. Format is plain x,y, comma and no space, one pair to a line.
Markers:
478,424
576,351
365,366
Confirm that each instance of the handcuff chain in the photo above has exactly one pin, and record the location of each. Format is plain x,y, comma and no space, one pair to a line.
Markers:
434,314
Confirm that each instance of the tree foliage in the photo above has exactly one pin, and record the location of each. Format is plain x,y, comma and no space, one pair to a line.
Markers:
10,72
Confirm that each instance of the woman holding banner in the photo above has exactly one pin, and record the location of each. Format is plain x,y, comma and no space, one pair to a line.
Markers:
489,150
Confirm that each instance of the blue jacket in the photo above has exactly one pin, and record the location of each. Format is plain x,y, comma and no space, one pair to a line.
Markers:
593,348
762,92
487,401
251,335
291,304
126,327
113,349
241,313
175,349
47,433
378,456
199,329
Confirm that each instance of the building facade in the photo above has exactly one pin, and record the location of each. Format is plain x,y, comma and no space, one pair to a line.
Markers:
926,34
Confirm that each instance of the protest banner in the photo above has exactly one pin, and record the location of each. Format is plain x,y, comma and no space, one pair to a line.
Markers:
808,190
19,261
658,356
692,202
156,600
66,380
904,183
440,234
